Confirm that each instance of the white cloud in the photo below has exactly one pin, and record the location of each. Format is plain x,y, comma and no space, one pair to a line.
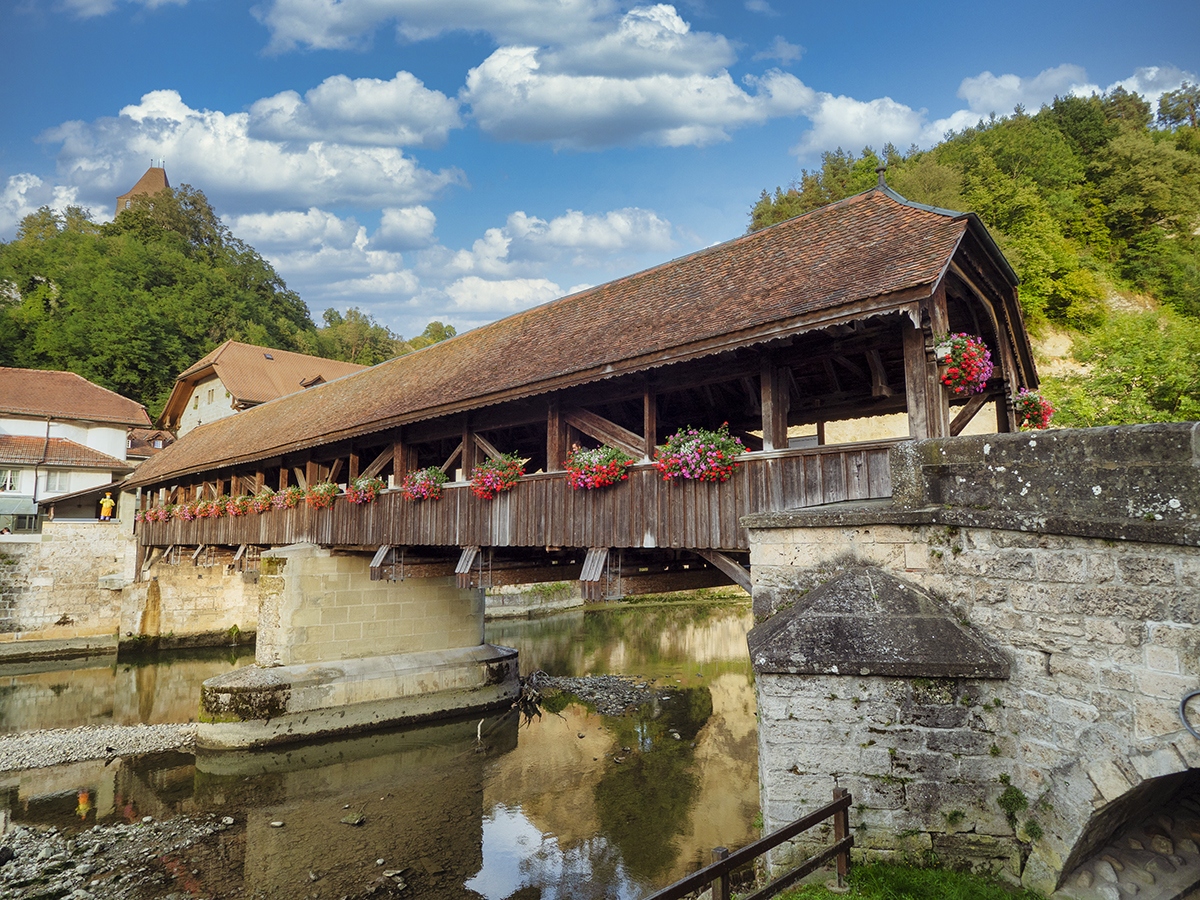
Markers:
512,99
1154,81
786,53
342,24
647,40
474,296
1000,94
25,193
399,112
216,151
87,9
405,228
760,6
312,229
853,124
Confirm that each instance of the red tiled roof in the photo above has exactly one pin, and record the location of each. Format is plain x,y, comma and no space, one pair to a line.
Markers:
21,450
253,375
65,395
870,247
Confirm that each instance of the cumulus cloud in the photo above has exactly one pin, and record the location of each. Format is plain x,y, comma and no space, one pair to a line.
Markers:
512,98
760,6
475,296
647,40
1000,94
786,53
398,112
343,24
216,150
25,193
405,228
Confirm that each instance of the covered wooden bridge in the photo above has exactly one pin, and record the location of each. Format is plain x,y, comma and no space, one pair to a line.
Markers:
828,317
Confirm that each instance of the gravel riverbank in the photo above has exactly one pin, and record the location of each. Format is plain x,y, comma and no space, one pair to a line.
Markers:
53,747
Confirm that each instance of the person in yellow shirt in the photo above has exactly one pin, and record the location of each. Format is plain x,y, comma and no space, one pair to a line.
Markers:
106,507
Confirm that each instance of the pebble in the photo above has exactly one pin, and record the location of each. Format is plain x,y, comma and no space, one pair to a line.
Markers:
612,695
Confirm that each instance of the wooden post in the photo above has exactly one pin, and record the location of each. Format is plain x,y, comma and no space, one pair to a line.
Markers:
649,420
775,398
1006,419
469,450
841,828
353,472
556,437
312,473
401,462
821,434
283,478
260,478
220,487
721,888
916,374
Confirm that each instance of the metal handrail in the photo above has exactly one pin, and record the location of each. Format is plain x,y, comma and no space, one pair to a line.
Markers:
720,870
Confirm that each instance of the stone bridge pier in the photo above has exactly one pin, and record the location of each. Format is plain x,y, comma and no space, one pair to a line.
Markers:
993,662
339,652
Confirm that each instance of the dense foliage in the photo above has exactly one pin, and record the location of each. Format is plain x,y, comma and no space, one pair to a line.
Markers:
131,303
1090,198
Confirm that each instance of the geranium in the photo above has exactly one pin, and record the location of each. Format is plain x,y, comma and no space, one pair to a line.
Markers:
1033,410
288,498
239,505
424,484
157,514
363,490
494,476
263,500
186,512
591,469
320,496
699,454
967,363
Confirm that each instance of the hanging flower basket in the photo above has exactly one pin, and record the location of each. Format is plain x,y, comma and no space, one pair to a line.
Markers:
591,469
320,496
424,484
1033,410
239,505
964,363
288,498
699,454
263,500
363,490
494,476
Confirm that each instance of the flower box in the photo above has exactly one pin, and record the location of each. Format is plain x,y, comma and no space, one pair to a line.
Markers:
363,490
699,454
424,484
494,476
588,470
964,363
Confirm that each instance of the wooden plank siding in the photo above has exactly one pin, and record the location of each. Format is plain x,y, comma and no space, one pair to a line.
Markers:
543,511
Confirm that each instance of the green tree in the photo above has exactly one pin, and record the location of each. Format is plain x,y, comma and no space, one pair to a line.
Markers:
1140,367
1179,107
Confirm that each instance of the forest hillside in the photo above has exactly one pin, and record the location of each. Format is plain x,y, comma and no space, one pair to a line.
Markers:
1096,202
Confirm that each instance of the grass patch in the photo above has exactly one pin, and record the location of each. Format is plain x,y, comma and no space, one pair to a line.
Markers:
887,881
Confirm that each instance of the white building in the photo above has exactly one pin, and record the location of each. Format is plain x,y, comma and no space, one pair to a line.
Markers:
59,434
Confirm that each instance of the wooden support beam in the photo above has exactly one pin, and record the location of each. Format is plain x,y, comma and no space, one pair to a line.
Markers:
967,413
556,438
591,577
850,366
776,399
380,461
455,454
730,566
301,480
462,571
312,474
916,377
218,488
352,474
1006,417
600,429
335,470
283,478
260,479
820,434
830,373
469,450
487,447
879,379
649,422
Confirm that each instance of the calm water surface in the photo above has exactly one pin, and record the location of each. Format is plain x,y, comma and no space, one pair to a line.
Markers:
571,805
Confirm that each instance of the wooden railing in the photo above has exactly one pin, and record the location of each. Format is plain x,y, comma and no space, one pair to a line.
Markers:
718,874
543,510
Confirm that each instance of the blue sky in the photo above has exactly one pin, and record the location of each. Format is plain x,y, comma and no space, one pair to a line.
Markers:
464,159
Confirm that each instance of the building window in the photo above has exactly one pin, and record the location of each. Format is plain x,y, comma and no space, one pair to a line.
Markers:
57,480
196,402
8,479
158,444
210,395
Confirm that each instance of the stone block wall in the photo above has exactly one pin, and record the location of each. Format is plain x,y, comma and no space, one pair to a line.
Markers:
320,605
1075,554
64,582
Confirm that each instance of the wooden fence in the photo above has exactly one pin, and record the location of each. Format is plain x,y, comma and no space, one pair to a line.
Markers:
718,874
544,511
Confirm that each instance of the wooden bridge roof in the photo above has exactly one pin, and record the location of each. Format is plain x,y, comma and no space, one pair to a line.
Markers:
870,254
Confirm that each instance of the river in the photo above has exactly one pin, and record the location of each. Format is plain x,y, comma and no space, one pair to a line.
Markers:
573,804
